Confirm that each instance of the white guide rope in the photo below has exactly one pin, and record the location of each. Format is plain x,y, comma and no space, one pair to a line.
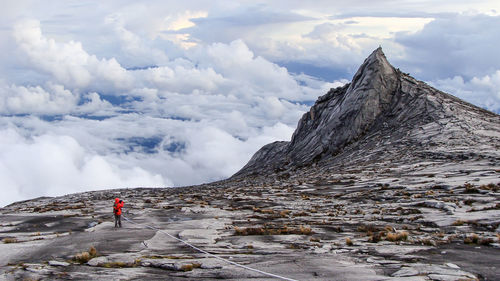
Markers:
209,254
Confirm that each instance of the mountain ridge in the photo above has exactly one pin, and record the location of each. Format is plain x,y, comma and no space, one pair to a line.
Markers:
379,98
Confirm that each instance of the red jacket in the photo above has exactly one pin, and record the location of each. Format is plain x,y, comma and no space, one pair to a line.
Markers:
117,207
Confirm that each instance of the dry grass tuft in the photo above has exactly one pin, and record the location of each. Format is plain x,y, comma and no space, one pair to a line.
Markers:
314,239
285,213
491,186
191,266
244,231
471,239
300,214
470,188
84,257
9,240
428,242
267,211
368,228
486,241
115,264
458,222
305,230
375,237
92,251
399,236
348,242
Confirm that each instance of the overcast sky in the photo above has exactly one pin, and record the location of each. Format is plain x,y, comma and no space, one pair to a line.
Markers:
107,94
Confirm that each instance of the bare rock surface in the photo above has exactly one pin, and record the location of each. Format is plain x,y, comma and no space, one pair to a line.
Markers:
384,179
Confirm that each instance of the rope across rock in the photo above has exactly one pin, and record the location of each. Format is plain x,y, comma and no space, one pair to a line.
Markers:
209,254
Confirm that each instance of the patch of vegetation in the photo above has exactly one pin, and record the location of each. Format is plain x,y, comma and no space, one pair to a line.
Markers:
491,187
470,188
428,242
471,239
368,228
120,264
84,257
349,242
458,223
398,236
300,214
244,231
115,264
10,240
376,236
469,202
284,213
314,239
191,266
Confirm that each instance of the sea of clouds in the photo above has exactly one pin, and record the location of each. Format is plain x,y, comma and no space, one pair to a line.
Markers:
95,124
97,95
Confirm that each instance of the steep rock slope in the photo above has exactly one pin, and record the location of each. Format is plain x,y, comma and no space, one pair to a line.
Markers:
381,109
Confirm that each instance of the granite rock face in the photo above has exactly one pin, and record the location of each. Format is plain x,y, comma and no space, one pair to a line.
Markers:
385,178
381,102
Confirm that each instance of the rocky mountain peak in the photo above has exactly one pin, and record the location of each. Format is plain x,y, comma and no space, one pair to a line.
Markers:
345,113
380,104
374,69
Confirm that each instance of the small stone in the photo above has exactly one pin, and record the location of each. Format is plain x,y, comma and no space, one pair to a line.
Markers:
452,265
58,263
443,277
405,272
97,261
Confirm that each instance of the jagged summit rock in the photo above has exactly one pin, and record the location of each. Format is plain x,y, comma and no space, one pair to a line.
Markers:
382,106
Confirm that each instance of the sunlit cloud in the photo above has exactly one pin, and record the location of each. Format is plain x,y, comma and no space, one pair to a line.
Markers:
149,93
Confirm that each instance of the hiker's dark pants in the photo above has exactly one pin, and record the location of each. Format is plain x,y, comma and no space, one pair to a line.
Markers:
118,220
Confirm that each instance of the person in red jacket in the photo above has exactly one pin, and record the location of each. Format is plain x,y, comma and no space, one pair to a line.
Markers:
117,210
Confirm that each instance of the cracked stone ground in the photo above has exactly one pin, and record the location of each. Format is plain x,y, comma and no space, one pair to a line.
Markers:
426,221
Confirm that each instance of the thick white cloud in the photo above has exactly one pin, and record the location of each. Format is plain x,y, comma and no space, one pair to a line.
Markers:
68,62
50,99
248,74
57,164
452,45
483,91
189,120
26,100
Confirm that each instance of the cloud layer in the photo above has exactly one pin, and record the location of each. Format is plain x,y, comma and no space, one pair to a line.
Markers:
124,93
94,124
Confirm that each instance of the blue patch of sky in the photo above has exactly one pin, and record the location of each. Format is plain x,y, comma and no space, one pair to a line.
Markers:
51,118
44,117
141,67
142,144
320,72
94,117
304,102
120,99
174,147
178,118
